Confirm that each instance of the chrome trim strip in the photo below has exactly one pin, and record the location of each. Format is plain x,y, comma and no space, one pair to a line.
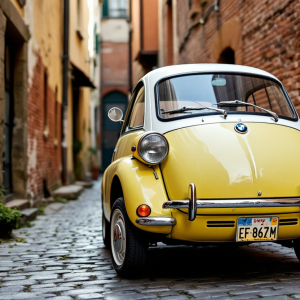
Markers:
223,203
192,202
156,221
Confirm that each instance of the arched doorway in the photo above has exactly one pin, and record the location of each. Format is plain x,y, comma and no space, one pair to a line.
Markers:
227,45
227,56
111,130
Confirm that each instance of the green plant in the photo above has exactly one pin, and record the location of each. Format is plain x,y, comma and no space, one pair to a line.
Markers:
41,210
77,146
93,158
28,224
93,150
78,169
60,200
9,220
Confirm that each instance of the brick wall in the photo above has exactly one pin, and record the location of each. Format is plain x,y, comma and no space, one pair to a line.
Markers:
114,66
269,37
44,157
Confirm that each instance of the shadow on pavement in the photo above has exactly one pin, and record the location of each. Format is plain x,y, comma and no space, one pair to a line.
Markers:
263,260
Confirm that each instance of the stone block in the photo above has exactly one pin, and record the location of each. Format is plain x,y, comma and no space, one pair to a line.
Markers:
28,214
53,208
85,184
70,192
18,203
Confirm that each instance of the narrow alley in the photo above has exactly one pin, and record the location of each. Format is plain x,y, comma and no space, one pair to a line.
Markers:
62,256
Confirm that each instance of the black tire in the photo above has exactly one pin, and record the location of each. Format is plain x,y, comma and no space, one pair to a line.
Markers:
105,231
296,245
135,258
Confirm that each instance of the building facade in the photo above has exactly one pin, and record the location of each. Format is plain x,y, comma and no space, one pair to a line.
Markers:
263,35
14,37
44,96
94,48
144,41
114,71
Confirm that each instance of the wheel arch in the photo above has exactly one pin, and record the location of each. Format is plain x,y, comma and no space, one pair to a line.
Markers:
136,183
116,190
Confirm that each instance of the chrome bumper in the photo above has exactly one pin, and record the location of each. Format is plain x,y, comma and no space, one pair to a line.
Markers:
193,203
156,221
282,202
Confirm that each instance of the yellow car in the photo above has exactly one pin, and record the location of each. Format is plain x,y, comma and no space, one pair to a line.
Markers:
208,153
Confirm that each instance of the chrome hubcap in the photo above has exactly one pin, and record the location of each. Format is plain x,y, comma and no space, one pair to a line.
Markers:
118,237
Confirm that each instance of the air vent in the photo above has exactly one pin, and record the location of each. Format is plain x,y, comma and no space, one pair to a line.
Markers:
220,223
286,222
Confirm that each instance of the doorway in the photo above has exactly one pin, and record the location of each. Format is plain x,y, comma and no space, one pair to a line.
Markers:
227,56
111,130
8,117
77,143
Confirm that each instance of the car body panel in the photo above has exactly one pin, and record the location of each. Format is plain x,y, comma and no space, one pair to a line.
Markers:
197,231
139,187
225,164
123,147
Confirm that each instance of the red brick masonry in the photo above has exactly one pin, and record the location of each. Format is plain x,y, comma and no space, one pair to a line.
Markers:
269,37
44,157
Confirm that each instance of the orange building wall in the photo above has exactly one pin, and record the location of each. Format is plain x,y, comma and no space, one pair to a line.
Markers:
135,25
150,25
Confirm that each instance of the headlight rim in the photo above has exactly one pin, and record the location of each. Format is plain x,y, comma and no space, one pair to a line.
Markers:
139,147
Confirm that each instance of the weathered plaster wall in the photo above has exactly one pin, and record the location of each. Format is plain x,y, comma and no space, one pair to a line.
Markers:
44,19
79,54
115,30
44,157
45,22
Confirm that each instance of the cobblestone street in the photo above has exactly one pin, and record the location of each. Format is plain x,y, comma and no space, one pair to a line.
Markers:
63,257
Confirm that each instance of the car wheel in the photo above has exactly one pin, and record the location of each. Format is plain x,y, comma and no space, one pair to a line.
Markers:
128,248
296,245
105,232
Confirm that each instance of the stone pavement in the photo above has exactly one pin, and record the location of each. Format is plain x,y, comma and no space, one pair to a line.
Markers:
63,258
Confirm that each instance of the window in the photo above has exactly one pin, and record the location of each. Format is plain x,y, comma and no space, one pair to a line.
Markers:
114,9
138,111
208,90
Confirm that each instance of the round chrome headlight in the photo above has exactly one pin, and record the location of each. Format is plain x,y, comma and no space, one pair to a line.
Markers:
153,148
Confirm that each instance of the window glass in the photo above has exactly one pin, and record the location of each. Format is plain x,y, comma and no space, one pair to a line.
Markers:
209,89
138,111
114,9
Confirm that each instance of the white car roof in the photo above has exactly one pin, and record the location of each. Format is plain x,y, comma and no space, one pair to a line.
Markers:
163,72
150,80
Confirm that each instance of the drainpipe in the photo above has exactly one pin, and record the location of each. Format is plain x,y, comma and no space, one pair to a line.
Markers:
129,52
65,91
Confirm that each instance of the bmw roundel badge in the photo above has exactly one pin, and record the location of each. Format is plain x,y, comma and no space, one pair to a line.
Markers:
240,128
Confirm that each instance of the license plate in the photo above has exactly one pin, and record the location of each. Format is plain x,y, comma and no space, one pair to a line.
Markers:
257,229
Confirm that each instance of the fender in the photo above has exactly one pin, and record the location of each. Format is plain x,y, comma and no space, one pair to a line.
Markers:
139,187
